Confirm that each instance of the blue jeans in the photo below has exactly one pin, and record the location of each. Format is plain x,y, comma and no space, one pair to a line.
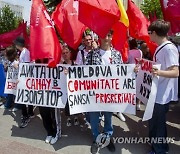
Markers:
94,121
10,100
157,127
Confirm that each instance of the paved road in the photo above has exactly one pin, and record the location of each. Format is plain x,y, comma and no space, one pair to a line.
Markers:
30,140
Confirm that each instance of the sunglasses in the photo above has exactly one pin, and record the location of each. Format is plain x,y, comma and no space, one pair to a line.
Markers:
150,32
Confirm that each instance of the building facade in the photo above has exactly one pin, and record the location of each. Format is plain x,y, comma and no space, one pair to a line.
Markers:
17,9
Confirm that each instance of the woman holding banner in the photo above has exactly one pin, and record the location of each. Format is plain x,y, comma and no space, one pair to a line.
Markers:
11,56
66,55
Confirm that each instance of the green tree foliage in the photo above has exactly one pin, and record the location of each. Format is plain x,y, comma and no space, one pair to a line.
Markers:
8,20
51,4
151,6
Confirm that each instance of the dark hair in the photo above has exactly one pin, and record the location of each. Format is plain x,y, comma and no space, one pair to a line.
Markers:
133,44
161,27
84,35
19,41
11,53
111,32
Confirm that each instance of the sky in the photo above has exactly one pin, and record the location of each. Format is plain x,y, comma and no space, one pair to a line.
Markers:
27,7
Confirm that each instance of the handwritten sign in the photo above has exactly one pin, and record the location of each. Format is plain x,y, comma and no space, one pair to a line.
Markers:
41,86
11,80
101,88
146,86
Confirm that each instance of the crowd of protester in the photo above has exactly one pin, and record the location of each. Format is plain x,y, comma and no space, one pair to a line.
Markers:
100,51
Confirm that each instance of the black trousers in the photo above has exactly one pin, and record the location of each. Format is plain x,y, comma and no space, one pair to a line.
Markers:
157,128
49,122
27,111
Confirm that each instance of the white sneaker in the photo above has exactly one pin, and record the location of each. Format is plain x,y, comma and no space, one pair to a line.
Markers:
14,109
138,107
120,115
54,140
2,107
48,139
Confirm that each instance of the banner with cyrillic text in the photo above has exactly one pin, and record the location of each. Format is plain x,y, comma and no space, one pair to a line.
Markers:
40,85
146,86
101,88
11,80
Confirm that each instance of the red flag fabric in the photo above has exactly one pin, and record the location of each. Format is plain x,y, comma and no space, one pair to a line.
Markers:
171,13
120,38
99,15
152,17
152,46
138,23
124,52
66,19
44,42
6,39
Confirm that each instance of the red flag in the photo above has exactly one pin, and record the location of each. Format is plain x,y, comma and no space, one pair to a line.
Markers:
119,39
124,52
171,13
66,19
152,17
152,46
7,38
138,23
43,39
99,15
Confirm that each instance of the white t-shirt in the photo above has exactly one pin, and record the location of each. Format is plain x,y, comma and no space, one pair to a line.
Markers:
15,62
79,60
133,54
106,56
167,87
24,56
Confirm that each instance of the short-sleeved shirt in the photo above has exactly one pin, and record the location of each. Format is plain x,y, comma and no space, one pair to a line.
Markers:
79,58
167,87
24,56
133,54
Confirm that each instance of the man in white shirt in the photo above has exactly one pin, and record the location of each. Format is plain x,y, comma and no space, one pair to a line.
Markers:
24,58
89,45
167,55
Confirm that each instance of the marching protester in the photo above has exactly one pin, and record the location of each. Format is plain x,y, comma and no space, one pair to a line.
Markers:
89,44
51,118
134,52
133,55
103,56
145,51
11,55
24,57
167,55
66,55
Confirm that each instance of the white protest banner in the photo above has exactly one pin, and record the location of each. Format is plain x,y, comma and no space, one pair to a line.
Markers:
40,85
11,80
101,88
146,86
